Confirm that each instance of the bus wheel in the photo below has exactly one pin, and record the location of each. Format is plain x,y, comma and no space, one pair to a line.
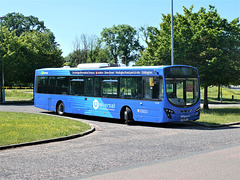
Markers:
128,116
60,108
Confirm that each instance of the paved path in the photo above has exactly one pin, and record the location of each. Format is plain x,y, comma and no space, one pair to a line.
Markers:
115,147
217,164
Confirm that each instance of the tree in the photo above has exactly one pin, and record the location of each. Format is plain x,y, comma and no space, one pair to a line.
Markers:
80,53
21,23
23,54
202,39
88,49
100,54
18,23
145,32
122,40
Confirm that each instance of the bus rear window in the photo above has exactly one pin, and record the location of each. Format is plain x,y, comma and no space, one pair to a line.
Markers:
42,84
52,85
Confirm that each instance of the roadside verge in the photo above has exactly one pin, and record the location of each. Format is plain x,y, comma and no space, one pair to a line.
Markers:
44,141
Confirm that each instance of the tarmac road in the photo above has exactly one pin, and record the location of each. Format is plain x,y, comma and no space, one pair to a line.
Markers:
117,148
217,164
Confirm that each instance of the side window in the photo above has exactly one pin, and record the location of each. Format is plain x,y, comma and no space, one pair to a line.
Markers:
42,84
89,86
52,85
147,89
130,87
110,87
97,87
62,85
77,86
153,88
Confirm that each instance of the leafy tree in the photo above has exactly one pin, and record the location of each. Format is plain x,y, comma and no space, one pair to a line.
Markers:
100,54
121,40
88,49
202,39
77,57
27,45
23,54
21,23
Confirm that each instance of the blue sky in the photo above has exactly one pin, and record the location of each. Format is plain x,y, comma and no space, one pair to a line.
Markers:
70,18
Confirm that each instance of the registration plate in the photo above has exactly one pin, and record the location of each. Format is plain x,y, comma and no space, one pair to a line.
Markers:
184,119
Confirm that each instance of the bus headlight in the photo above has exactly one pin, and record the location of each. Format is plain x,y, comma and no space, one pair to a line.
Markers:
169,112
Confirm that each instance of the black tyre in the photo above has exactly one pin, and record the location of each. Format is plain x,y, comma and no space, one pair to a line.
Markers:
128,116
60,108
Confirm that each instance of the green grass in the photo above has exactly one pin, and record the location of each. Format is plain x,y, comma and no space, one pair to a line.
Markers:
220,115
23,127
18,94
226,93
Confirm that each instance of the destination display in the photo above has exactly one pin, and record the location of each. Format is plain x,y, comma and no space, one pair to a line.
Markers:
117,72
180,72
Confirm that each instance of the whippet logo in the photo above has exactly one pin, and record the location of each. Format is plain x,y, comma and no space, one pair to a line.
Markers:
95,104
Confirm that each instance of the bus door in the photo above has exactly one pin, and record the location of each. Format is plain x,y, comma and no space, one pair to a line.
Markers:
150,109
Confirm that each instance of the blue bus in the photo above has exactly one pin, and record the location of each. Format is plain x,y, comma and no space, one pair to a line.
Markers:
149,94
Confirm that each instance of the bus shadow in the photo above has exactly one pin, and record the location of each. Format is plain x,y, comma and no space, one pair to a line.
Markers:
169,125
90,118
96,118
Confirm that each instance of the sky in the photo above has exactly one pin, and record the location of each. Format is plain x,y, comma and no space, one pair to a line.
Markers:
68,19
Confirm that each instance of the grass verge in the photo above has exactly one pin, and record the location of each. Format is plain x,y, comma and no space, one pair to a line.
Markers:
226,94
18,128
220,116
18,94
